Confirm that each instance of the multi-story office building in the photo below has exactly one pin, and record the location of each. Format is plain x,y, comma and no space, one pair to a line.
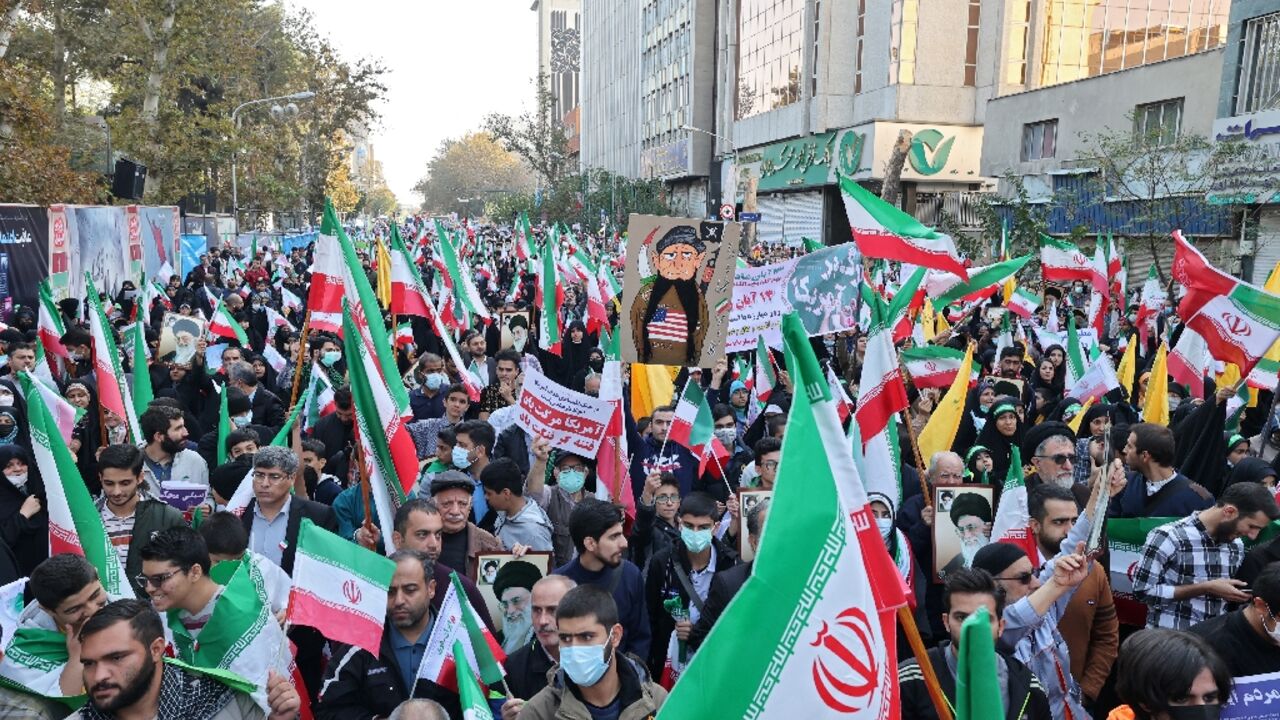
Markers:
611,108
559,58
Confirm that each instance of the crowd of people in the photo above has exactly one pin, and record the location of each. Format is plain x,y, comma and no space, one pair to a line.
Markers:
597,608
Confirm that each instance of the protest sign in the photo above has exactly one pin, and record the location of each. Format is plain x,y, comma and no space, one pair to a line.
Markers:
1254,697
568,420
183,495
24,248
179,335
677,289
823,287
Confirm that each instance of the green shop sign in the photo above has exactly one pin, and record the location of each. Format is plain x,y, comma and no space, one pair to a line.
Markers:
930,151
797,163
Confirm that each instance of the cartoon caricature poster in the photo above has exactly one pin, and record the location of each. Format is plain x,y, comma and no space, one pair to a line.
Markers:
677,290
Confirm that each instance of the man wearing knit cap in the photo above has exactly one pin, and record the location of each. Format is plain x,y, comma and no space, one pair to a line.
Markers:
971,516
512,587
1035,602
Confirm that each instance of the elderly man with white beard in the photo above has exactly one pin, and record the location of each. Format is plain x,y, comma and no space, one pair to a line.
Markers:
513,586
1051,449
527,667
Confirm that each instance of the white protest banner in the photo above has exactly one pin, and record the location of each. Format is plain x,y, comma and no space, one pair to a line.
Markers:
569,420
823,287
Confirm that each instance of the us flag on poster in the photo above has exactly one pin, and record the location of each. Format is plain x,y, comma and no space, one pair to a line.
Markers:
668,324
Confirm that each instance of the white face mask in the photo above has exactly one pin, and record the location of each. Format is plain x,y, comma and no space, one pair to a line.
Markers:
18,481
885,526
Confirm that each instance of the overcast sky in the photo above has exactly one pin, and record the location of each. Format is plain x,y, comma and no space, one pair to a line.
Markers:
450,63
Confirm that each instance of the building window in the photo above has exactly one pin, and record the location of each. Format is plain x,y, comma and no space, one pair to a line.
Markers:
817,26
1158,123
770,54
1039,140
971,44
1086,38
1259,86
857,56
1015,68
902,42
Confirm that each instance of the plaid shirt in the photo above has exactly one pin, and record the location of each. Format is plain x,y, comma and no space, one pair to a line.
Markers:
1183,553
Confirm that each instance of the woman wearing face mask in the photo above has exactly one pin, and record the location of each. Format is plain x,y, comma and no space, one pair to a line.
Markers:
574,478
882,509
1169,675
24,525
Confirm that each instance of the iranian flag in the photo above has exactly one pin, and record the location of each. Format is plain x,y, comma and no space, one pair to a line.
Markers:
113,391
932,365
945,288
458,277
457,622
1062,261
339,588
49,326
409,294
224,424
1075,356
470,695
289,301
142,392
549,298
224,325
1190,361
609,287
1099,271
469,380
242,635
525,248
811,632
1239,321
694,428
765,378
404,334
388,450
1097,381
1012,523
324,299
1023,303
881,396
613,478
1153,297
883,231
74,523
1266,374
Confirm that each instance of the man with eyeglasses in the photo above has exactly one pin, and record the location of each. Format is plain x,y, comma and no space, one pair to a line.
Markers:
1035,603
275,514
175,575
1248,639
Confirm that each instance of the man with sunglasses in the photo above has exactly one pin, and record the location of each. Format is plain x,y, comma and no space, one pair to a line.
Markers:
1036,602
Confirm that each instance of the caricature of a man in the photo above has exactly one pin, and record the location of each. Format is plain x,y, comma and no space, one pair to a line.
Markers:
669,316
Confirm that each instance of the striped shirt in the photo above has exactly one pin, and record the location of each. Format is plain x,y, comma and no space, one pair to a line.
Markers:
669,324
119,529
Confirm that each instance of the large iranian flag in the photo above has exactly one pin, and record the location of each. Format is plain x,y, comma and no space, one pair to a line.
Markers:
324,299
409,294
113,391
388,450
458,622
74,523
339,588
945,288
811,633
458,276
883,231
932,365
881,396
1239,321
1062,261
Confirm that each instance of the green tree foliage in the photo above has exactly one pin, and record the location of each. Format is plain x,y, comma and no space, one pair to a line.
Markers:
469,171
538,136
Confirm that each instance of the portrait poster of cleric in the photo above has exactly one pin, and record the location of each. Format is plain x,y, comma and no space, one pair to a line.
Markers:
677,289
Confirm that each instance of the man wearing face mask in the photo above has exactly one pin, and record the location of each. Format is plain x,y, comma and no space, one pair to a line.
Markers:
241,412
594,679
1248,639
427,400
267,409
683,572
558,501
78,343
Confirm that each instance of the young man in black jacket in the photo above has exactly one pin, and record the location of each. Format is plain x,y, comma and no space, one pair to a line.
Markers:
967,590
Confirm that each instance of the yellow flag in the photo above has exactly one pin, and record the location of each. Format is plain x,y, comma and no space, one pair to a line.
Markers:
1125,371
926,320
940,431
942,324
1156,407
384,274
652,386
1079,418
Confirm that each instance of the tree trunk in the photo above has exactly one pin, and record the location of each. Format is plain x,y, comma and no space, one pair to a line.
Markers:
7,24
58,70
893,171
159,64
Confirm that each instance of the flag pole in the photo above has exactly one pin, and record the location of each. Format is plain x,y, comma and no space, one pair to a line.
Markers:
908,622
302,349
364,483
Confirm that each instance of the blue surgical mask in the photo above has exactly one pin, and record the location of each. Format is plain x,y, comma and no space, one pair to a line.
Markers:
434,381
572,479
461,458
585,664
331,358
695,540
241,420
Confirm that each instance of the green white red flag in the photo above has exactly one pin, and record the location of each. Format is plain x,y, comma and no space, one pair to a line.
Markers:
549,298
613,474
1152,299
1190,361
224,325
1238,320
944,288
883,231
64,414
457,622
932,365
525,248
811,632
881,396
324,299
141,390
1023,303
1062,261
74,523
339,588
113,391
470,695
409,294
765,377
458,277
1012,523
694,428
1099,379
49,326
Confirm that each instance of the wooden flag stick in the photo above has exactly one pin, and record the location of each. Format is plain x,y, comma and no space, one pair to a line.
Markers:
302,351
921,468
364,483
940,704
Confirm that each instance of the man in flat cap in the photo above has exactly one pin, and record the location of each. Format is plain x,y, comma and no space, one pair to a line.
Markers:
971,515
669,315
513,587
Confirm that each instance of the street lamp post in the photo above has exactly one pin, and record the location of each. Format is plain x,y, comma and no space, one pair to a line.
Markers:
733,151
278,111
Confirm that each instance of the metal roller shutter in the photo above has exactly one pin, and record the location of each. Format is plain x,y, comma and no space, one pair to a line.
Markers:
803,218
1267,252
773,210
